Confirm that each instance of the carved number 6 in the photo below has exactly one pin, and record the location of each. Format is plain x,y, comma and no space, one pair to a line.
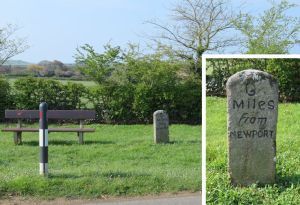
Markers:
250,89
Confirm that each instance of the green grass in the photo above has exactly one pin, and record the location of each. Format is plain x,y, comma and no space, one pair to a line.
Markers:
90,83
83,82
287,187
119,160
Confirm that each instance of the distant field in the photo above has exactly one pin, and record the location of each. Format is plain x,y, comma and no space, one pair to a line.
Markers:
116,160
85,83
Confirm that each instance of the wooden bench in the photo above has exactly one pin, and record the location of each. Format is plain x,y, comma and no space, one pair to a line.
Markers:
80,115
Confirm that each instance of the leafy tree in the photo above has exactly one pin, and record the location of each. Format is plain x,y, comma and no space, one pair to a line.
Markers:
96,65
10,46
131,86
51,68
35,69
272,32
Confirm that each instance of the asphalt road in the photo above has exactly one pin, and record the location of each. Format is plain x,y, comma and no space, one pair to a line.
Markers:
179,200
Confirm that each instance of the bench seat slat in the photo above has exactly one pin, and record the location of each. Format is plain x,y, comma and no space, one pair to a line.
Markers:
25,129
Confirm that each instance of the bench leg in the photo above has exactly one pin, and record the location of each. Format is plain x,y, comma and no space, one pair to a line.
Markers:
18,138
80,137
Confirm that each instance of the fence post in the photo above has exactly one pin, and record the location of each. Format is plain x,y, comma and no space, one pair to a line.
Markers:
43,139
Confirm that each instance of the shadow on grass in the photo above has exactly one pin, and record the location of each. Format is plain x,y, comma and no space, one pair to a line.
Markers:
64,176
287,181
98,142
62,142
184,142
118,174
30,143
110,175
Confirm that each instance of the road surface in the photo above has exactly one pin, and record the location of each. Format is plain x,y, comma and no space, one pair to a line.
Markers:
194,199
167,199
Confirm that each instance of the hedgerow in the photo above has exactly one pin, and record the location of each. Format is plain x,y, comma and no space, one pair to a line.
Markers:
30,92
286,71
5,97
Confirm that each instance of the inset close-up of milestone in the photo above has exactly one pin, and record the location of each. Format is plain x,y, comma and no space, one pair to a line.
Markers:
96,104
252,131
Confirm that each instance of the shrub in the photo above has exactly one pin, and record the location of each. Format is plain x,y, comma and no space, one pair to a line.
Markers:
155,91
74,92
30,92
215,83
222,69
133,98
132,86
286,71
5,96
187,100
113,102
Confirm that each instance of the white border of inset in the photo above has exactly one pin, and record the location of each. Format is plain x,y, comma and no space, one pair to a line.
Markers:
223,56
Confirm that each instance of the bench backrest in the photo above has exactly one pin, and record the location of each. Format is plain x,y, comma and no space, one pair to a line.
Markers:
51,114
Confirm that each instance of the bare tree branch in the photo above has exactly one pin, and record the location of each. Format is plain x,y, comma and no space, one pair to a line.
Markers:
199,27
10,46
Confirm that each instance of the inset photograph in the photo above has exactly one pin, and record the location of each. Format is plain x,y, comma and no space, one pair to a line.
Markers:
252,130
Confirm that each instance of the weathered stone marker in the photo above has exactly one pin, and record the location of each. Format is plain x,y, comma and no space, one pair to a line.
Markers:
252,99
161,126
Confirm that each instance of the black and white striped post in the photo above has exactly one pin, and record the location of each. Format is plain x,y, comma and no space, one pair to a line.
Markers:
43,139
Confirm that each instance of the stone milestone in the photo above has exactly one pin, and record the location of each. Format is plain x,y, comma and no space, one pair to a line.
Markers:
161,126
252,99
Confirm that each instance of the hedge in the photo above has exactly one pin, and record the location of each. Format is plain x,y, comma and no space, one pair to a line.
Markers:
135,103
5,97
30,92
119,100
287,72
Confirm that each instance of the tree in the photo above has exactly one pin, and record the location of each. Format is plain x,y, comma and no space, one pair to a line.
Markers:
35,69
51,68
10,46
98,66
199,26
272,32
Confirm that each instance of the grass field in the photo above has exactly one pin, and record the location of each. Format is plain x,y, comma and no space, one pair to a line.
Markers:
119,160
90,83
287,187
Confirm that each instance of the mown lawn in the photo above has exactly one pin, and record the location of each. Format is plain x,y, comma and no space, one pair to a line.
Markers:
86,83
119,160
287,187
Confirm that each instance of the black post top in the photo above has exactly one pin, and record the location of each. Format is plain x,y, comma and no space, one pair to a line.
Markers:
43,107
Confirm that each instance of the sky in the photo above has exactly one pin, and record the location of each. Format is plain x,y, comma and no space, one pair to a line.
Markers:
55,28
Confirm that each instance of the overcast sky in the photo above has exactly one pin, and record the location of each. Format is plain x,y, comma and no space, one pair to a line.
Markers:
54,28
